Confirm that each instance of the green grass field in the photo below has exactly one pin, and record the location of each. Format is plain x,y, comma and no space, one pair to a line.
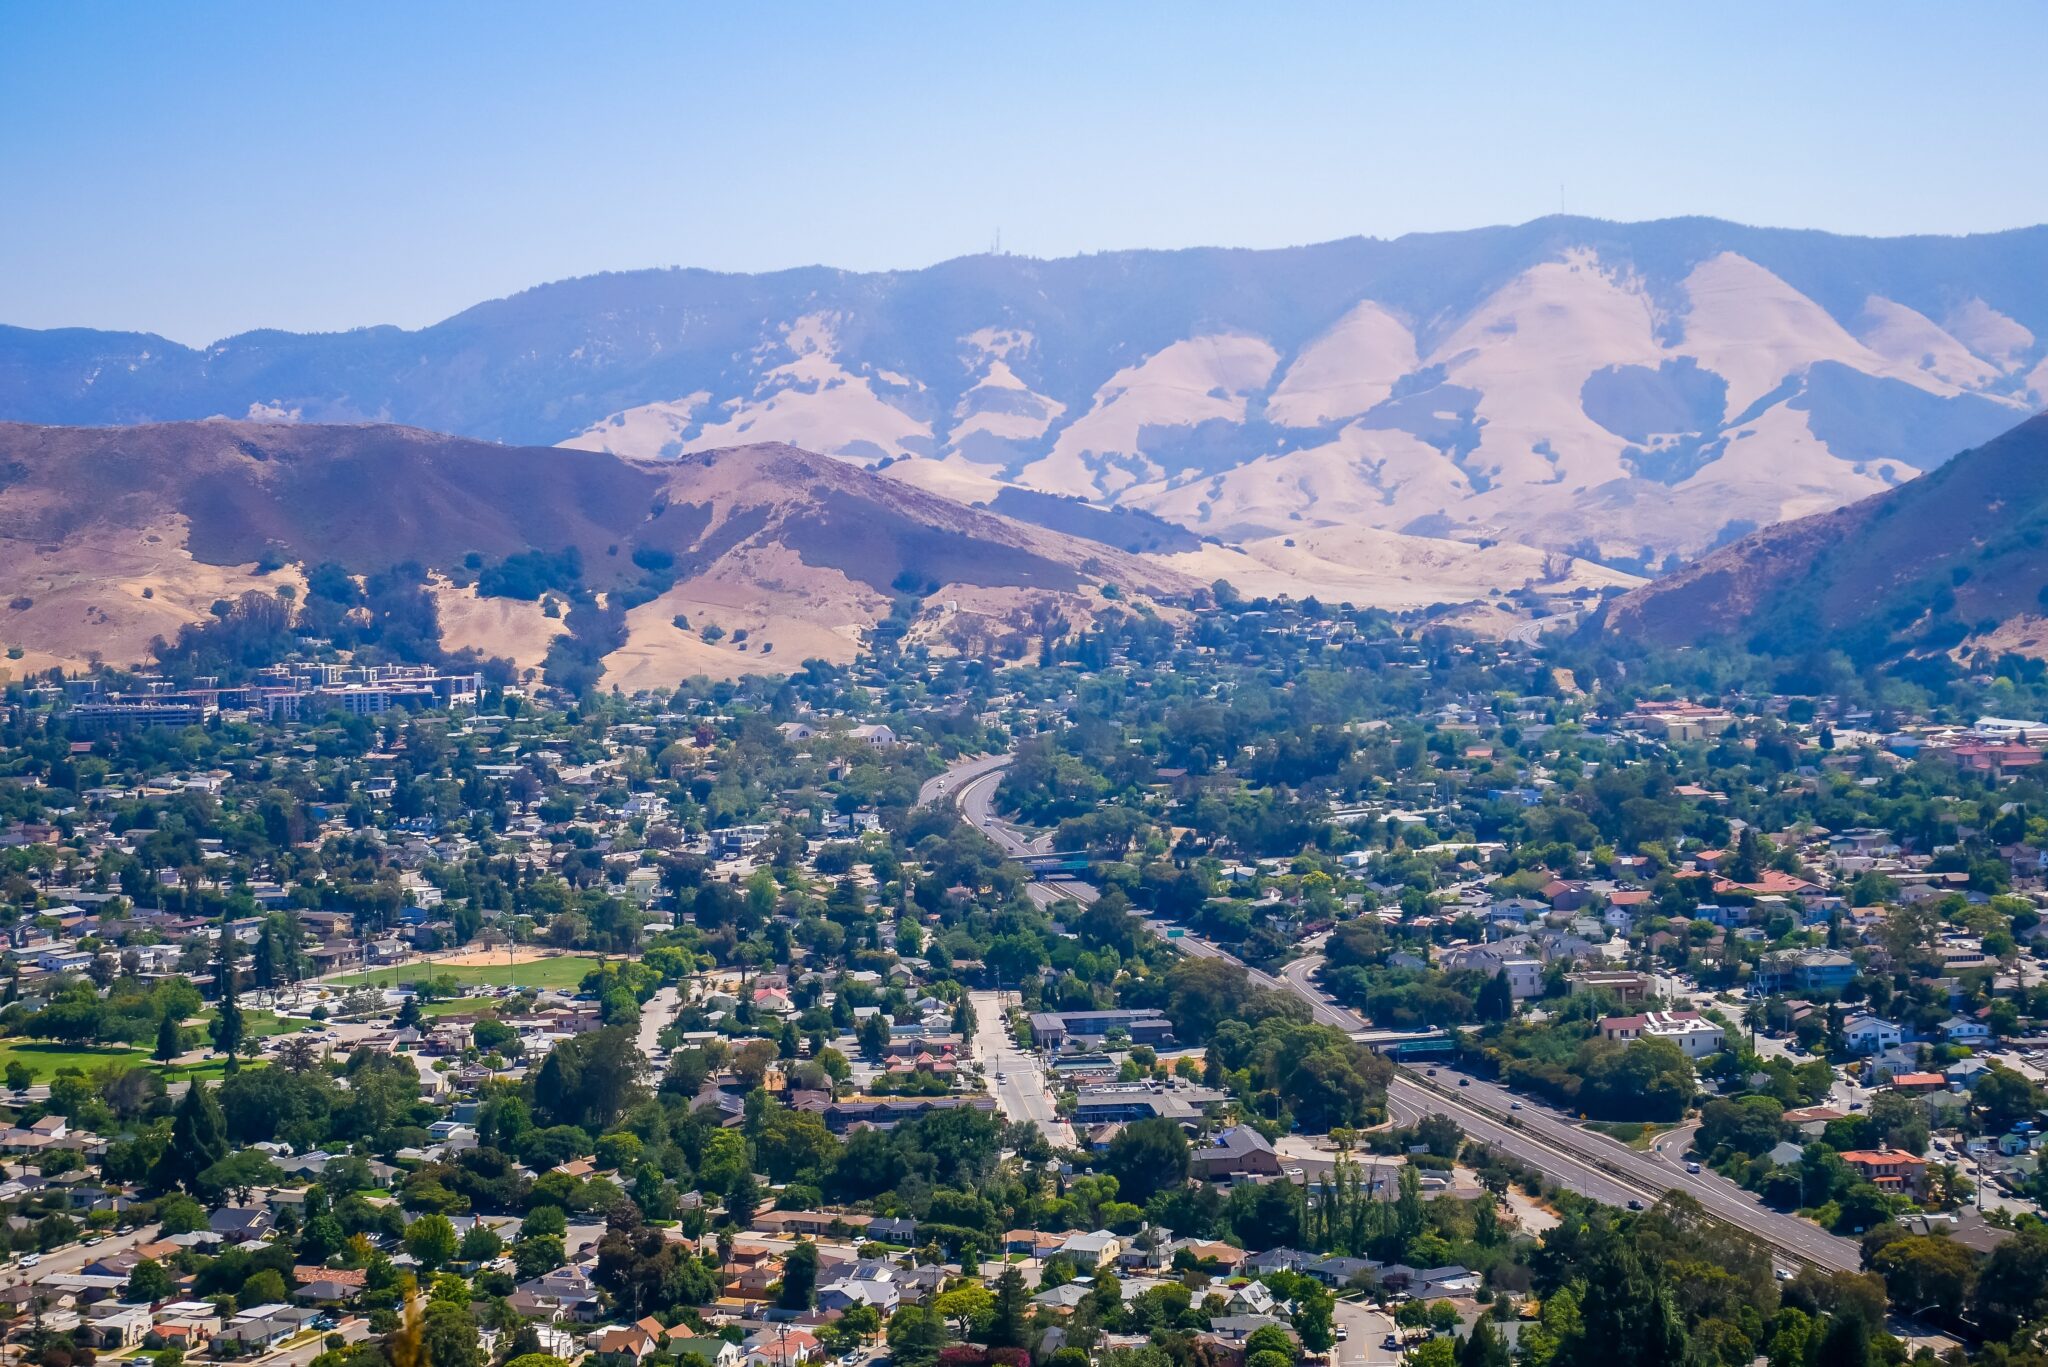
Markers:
564,971
44,1058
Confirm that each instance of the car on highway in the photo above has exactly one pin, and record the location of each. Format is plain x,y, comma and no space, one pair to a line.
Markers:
1692,1167
1634,1204
31,1260
1514,1105
1464,1082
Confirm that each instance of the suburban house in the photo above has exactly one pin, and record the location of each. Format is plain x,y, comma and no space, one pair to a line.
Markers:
1695,1035
1090,1251
1892,1169
1865,1034
1235,1152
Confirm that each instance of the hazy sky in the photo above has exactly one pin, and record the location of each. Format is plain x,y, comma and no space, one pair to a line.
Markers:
201,169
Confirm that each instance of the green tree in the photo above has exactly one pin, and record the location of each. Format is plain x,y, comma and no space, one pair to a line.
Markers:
198,1141
170,1040
431,1239
1270,1338
1483,1347
1009,1323
536,1254
180,1214
262,1288
228,1028
1496,999
1147,1156
148,1281
965,1307
449,1334
916,1334
1626,1315
1314,1318
480,1244
799,1276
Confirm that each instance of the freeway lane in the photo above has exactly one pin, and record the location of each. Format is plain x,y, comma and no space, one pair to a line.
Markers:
1538,1127
1576,1159
971,785
1572,1157
959,772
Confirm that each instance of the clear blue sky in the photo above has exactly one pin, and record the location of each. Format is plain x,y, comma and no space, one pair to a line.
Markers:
200,169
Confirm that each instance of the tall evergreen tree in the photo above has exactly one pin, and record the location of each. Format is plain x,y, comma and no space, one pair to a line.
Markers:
170,1040
228,1027
1496,999
198,1141
1483,1347
1010,1326
265,965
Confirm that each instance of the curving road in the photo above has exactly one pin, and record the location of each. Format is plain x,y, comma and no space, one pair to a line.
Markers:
941,787
970,785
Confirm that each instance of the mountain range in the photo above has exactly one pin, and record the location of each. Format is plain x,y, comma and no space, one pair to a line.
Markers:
1629,393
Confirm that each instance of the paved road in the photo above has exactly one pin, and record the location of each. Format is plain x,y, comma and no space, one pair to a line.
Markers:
971,785
74,1256
976,797
960,771
1365,1331
1572,1157
1021,1093
655,1018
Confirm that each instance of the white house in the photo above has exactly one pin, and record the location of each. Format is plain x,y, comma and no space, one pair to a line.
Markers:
1963,1030
1866,1034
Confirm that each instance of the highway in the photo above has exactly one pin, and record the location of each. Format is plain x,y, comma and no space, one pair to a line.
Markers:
960,772
971,785
1574,1158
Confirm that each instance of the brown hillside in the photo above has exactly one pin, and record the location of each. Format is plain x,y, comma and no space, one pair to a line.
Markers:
767,537
1923,568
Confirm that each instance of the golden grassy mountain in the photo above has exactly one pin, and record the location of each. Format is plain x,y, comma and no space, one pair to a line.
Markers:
112,536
